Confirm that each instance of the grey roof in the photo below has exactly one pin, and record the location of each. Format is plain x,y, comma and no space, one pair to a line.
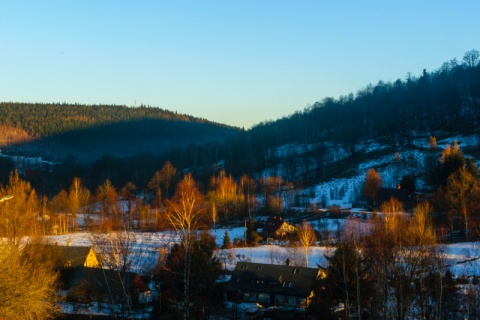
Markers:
273,279
101,279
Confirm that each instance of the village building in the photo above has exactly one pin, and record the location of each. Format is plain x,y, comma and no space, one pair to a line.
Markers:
106,286
74,256
272,285
276,227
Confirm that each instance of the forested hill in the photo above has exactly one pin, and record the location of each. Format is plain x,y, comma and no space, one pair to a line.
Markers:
43,120
89,132
442,102
446,100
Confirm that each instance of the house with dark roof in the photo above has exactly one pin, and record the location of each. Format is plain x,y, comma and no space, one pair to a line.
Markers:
276,227
74,256
68,256
272,285
105,285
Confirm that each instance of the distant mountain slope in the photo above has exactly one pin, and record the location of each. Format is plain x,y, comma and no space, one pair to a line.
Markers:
445,102
91,132
44,120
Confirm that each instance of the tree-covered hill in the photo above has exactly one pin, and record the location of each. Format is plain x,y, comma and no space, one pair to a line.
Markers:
89,132
439,103
44,120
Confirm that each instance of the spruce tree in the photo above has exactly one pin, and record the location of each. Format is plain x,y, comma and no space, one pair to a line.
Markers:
227,243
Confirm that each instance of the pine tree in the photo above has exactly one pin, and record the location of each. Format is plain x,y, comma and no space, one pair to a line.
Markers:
227,244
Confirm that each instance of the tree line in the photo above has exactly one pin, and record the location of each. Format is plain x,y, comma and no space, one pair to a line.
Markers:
41,120
226,200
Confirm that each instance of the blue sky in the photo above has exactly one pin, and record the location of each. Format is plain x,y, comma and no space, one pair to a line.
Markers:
233,62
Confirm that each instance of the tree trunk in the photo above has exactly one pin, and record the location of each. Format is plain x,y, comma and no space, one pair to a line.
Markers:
186,283
465,217
359,307
347,298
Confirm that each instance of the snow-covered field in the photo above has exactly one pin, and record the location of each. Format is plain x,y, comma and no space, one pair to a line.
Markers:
463,259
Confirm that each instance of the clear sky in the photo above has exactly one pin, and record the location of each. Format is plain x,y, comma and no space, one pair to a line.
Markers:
233,62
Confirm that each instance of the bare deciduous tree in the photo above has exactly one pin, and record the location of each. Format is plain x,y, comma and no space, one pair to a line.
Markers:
78,196
28,284
19,213
186,215
373,182
225,194
118,252
471,58
108,197
462,191
307,238
163,178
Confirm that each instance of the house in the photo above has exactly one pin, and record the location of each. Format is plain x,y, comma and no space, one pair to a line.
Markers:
272,285
74,256
276,227
105,285
67,256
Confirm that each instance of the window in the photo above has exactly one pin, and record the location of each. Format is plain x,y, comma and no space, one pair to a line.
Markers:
258,268
244,266
296,270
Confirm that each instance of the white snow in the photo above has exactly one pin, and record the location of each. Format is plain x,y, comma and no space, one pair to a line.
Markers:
463,259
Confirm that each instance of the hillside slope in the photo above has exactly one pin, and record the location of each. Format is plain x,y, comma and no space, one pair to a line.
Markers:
90,132
443,103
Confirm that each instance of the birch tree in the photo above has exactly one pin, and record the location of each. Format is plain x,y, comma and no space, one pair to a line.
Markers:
117,252
78,196
462,192
307,238
186,214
